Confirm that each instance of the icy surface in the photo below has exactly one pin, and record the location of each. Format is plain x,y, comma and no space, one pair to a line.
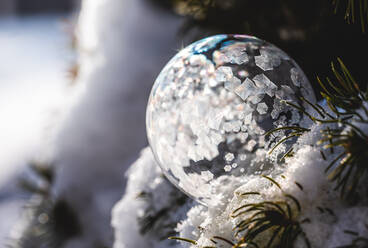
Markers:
204,107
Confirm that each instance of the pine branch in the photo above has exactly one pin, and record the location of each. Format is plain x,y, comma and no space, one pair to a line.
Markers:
345,101
351,7
156,218
196,8
48,222
296,132
279,219
344,98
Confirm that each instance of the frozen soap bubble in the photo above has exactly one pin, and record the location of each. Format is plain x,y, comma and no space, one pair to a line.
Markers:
212,104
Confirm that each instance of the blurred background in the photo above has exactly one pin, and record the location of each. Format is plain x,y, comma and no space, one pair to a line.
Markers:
73,95
75,76
36,50
34,7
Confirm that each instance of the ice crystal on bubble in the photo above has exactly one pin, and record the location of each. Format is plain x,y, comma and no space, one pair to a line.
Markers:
232,83
235,55
262,108
242,137
295,77
277,108
223,73
243,58
248,120
243,157
236,125
246,89
206,175
229,157
263,63
267,60
265,84
285,93
251,144
256,98
207,112
227,168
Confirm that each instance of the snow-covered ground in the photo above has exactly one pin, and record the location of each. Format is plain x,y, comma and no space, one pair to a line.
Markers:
35,55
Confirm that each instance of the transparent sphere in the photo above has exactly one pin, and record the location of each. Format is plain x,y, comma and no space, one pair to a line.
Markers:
211,105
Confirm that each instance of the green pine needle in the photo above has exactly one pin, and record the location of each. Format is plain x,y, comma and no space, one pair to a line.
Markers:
344,98
351,9
277,217
280,218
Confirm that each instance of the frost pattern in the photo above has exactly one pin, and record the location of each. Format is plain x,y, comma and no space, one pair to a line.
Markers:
203,107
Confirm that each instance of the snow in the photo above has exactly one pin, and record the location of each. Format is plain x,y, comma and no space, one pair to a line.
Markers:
127,232
33,96
302,176
122,46
146,177
33,86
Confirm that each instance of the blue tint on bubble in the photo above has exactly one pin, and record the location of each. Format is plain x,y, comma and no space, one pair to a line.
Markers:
207,44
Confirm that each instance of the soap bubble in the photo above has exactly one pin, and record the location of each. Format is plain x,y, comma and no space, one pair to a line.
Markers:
212,104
